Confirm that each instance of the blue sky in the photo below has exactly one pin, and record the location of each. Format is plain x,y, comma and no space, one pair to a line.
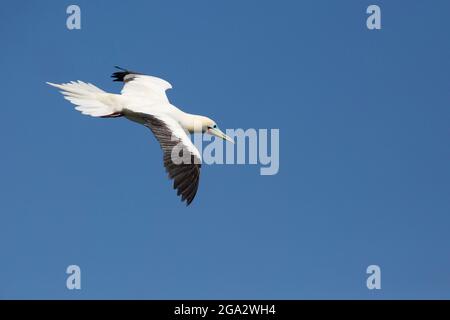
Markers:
364,151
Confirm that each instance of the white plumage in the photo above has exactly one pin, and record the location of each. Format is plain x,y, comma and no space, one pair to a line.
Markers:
143,99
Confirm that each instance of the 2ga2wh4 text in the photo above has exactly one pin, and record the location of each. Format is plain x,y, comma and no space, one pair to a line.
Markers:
246,309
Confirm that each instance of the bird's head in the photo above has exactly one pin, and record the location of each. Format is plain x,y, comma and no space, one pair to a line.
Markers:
210,126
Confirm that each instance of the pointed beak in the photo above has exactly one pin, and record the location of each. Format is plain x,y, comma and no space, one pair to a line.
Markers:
218,133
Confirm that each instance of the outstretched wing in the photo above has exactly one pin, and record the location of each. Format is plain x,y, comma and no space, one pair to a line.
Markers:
181,158
137,85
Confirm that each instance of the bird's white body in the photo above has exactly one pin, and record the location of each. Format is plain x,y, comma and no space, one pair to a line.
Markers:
145,95
143,99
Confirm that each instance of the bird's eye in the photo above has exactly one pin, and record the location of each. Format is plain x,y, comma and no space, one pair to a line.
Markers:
215,126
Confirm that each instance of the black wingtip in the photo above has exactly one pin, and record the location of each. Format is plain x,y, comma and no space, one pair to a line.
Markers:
120,75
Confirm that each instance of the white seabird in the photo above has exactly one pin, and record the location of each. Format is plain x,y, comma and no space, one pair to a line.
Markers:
143,99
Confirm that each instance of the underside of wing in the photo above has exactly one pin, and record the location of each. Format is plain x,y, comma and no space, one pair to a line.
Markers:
181,158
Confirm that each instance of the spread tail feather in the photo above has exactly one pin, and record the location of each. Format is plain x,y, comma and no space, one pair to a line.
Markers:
89,99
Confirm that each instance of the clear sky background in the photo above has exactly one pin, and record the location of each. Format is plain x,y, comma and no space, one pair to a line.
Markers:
364,119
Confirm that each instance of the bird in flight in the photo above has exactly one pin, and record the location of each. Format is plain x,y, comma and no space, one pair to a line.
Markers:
143,100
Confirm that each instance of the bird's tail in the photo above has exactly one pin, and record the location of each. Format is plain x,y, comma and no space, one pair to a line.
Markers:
89,99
